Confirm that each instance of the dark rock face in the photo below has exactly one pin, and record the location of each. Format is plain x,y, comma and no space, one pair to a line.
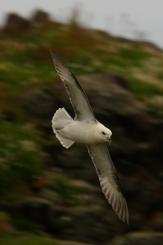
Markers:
141,238
40,17
136,150
16,23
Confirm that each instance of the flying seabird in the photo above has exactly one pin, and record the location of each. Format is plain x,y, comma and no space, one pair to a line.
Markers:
85,129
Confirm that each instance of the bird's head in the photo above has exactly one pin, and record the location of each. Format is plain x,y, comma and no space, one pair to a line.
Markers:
103,133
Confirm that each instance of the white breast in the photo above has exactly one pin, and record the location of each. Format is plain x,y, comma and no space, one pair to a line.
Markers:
80,132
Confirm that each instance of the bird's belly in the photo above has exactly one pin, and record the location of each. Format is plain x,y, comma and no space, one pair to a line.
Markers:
79,132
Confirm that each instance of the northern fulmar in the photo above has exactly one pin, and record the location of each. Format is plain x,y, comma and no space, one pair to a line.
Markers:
86,129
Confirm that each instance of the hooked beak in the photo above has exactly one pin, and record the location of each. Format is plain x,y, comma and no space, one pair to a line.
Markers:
109,140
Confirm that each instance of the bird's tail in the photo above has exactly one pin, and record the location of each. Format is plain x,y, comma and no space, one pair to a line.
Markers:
60,119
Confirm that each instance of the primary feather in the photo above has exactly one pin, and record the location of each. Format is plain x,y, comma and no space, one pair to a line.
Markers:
76,94
108,179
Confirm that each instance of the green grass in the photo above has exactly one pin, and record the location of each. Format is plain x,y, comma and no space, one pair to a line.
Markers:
135,56
28,239
143,90
25,59
160,75
21,159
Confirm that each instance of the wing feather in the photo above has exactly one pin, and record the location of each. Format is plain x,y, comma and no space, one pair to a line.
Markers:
109,183
76,94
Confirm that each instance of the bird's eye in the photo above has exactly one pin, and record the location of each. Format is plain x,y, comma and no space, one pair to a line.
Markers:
103,133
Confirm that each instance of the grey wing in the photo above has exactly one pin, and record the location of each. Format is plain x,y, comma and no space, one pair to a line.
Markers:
76,94
108,180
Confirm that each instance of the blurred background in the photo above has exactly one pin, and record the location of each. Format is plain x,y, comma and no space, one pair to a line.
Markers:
49,195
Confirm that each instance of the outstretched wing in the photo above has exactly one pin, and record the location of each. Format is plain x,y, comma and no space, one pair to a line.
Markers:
109,183
76,94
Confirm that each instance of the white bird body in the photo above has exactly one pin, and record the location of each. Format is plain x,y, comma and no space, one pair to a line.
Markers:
85,129
80,132
84,132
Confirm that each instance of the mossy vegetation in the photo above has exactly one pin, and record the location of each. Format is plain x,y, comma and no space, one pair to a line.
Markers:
21,160
27,239
25,58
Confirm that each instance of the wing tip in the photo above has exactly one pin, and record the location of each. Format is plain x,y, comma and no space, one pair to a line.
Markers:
60,66
55,57
125,217
116,200
122,212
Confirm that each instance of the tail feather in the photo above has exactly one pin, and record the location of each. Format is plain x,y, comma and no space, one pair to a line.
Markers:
60,119
64,142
